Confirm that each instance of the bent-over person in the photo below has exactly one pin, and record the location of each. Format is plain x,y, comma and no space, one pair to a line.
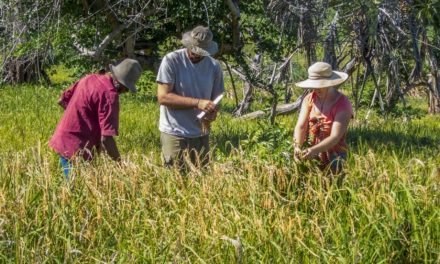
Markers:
324,118
91,115
188,80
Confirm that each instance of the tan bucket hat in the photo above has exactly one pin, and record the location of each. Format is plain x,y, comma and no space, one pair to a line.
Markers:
127,73
199,41
321,75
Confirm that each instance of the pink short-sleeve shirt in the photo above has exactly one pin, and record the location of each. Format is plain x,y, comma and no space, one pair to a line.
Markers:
320,126
92,111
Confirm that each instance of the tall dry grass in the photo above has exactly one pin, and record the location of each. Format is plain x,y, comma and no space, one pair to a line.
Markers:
383,211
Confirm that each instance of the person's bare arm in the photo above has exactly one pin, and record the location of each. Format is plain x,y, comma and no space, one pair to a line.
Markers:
340,126
109,144
300,131
166,97
301,125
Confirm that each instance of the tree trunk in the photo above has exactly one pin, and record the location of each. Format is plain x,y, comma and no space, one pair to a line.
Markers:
307,32
433,101
17,69
246,102
434,104
433,83
329,44
417,70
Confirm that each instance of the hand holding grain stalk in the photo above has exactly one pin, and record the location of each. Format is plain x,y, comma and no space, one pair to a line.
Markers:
208,118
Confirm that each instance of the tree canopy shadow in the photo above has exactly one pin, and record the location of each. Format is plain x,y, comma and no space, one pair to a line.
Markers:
378,138
225,141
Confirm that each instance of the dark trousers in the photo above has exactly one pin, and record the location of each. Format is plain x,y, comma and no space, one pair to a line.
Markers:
175,149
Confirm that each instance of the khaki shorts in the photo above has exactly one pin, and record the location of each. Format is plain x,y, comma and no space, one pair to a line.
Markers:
174,149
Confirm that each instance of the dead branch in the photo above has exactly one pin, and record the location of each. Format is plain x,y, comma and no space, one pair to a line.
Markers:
283,109
103,5
117,31
254,82
246,102
232,82
408,87
350,67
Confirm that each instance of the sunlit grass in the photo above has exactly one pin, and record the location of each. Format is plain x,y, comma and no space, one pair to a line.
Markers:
384,210
59,75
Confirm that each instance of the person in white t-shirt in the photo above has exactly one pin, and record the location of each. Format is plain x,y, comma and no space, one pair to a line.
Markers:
188,80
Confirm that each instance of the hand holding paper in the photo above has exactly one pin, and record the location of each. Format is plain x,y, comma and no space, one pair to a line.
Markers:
216,101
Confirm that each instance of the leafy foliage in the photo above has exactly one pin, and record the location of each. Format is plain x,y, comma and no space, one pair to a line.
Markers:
270,142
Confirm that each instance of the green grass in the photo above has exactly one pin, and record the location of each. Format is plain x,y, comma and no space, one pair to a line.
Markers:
384,210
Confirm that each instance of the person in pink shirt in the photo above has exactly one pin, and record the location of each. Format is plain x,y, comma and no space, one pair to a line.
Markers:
91,116
324,118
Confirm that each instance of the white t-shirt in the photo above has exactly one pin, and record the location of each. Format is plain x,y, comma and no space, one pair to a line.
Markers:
202,80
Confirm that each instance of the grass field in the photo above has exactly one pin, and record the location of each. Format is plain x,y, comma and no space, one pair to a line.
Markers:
251,205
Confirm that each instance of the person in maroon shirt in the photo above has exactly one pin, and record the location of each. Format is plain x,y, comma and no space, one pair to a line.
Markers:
91,116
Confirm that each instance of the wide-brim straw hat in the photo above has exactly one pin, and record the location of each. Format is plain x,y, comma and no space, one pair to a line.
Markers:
127,73
321,75
199,41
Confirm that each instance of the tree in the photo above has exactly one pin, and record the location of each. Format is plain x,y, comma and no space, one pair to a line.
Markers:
392,44
105,31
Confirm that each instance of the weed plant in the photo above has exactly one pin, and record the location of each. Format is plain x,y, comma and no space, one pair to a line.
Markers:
252,204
